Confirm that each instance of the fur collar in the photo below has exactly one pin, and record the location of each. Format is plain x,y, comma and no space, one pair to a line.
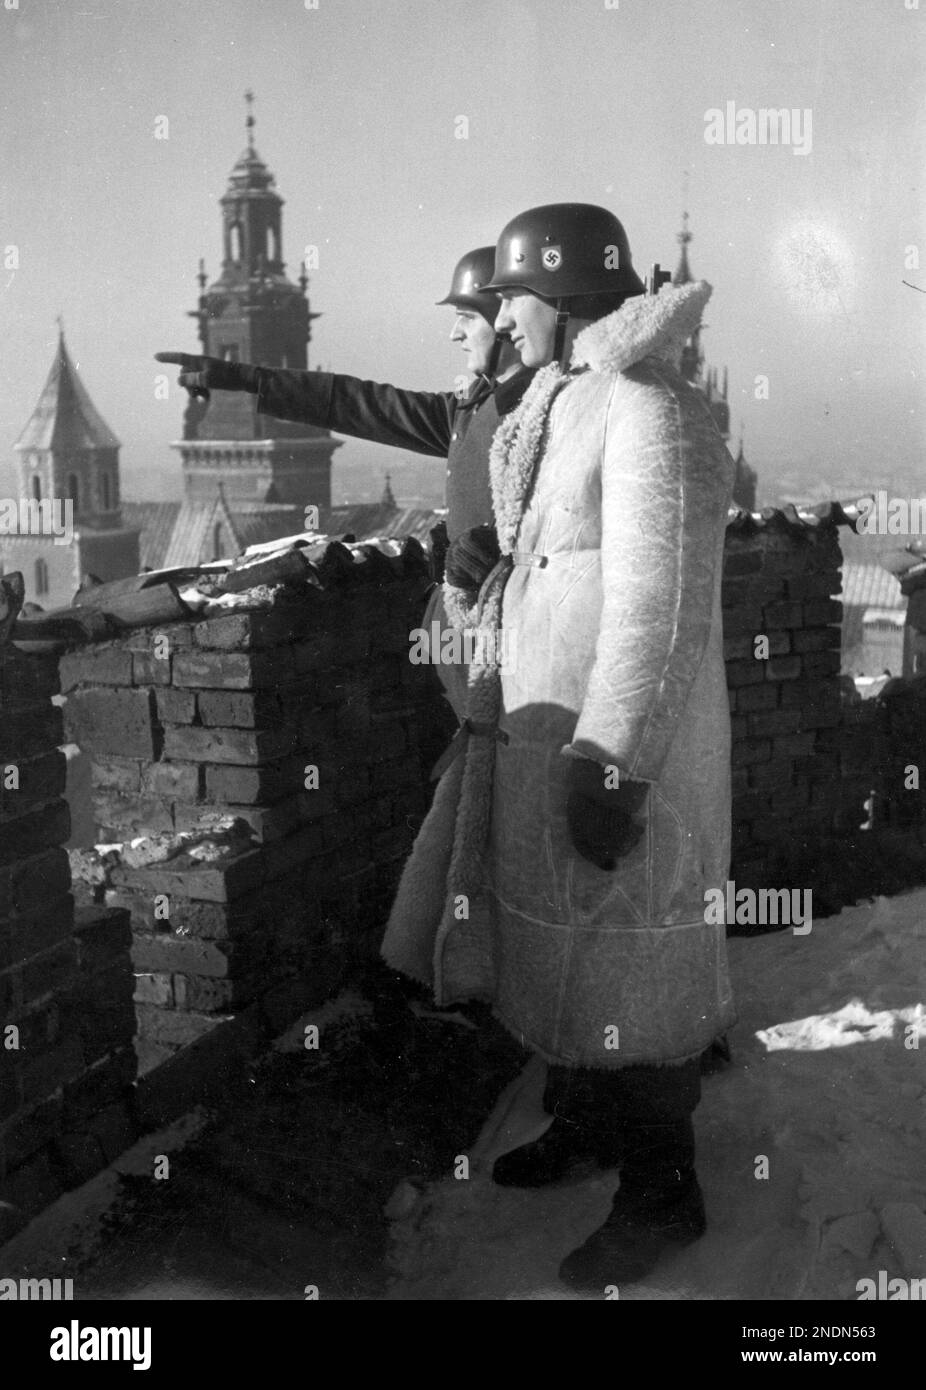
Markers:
656,325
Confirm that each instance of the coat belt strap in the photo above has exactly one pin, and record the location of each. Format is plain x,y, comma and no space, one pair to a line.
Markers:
470,728
529,557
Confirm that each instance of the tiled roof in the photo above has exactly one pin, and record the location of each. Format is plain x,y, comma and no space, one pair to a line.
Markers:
870,586
156,521
65,417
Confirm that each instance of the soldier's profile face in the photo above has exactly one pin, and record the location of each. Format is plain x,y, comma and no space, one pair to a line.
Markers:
476,337
531,323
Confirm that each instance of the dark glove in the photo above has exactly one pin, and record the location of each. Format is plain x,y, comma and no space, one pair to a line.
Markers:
200,375
471,557
603,821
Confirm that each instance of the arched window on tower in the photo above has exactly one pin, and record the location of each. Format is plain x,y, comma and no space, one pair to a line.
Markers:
41,576
236,242
74,489
273,244
217,541
36,488
106,491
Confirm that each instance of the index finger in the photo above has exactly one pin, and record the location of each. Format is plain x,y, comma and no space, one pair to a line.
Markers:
180,359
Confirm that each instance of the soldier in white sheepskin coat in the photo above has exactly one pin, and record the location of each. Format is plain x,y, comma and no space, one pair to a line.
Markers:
611,490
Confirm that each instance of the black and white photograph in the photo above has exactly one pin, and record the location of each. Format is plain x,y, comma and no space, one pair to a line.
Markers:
463,667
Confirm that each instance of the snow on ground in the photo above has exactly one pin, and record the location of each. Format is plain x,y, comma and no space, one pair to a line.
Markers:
826,1094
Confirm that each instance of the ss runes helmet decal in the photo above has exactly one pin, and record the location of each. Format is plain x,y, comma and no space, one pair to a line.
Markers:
552,257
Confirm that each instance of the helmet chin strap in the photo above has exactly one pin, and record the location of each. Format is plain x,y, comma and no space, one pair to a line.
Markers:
494,355
559,335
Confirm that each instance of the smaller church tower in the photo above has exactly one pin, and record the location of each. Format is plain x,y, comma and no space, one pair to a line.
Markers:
693,364
68,467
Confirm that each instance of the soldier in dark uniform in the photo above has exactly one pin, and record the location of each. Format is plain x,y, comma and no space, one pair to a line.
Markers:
443,424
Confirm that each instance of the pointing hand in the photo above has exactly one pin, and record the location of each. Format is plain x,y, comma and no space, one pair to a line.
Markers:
201,375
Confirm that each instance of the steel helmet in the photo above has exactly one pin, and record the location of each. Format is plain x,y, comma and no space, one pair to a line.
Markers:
562,250
467,288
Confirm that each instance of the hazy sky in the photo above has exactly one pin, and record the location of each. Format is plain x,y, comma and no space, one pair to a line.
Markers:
357,105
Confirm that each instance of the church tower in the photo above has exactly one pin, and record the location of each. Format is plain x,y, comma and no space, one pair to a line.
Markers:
253,313
68,462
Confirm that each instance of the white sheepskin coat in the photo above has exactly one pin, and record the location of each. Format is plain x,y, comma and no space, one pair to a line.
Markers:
616,474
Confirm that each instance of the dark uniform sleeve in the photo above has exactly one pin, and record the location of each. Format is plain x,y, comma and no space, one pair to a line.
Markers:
418,420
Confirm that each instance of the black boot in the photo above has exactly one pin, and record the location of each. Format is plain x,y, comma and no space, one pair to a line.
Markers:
555,1155
576,1140
659,1205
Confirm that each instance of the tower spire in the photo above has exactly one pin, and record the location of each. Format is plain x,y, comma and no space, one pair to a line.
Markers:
249,120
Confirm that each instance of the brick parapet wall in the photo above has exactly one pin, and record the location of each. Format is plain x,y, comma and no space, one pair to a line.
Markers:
791,779
66,1018
229,716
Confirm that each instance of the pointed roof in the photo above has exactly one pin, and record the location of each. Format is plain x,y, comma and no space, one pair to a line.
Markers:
65,418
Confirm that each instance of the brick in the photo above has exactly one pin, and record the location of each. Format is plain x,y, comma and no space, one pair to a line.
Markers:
244,631
196,919
48,826
26,679
745,672
175,1028
175,706
751,751
27,934
813,586
197,994
120,817
817,639
240,747
30,732
239,709
150,670
154,988
784,614
768,723
741,562
742,619
49,972
246,785
168,954
819,612
123,723
783,668
219,881
170,780
40,779
32,881
44,1074
116,774
821,664
98,665
234,670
